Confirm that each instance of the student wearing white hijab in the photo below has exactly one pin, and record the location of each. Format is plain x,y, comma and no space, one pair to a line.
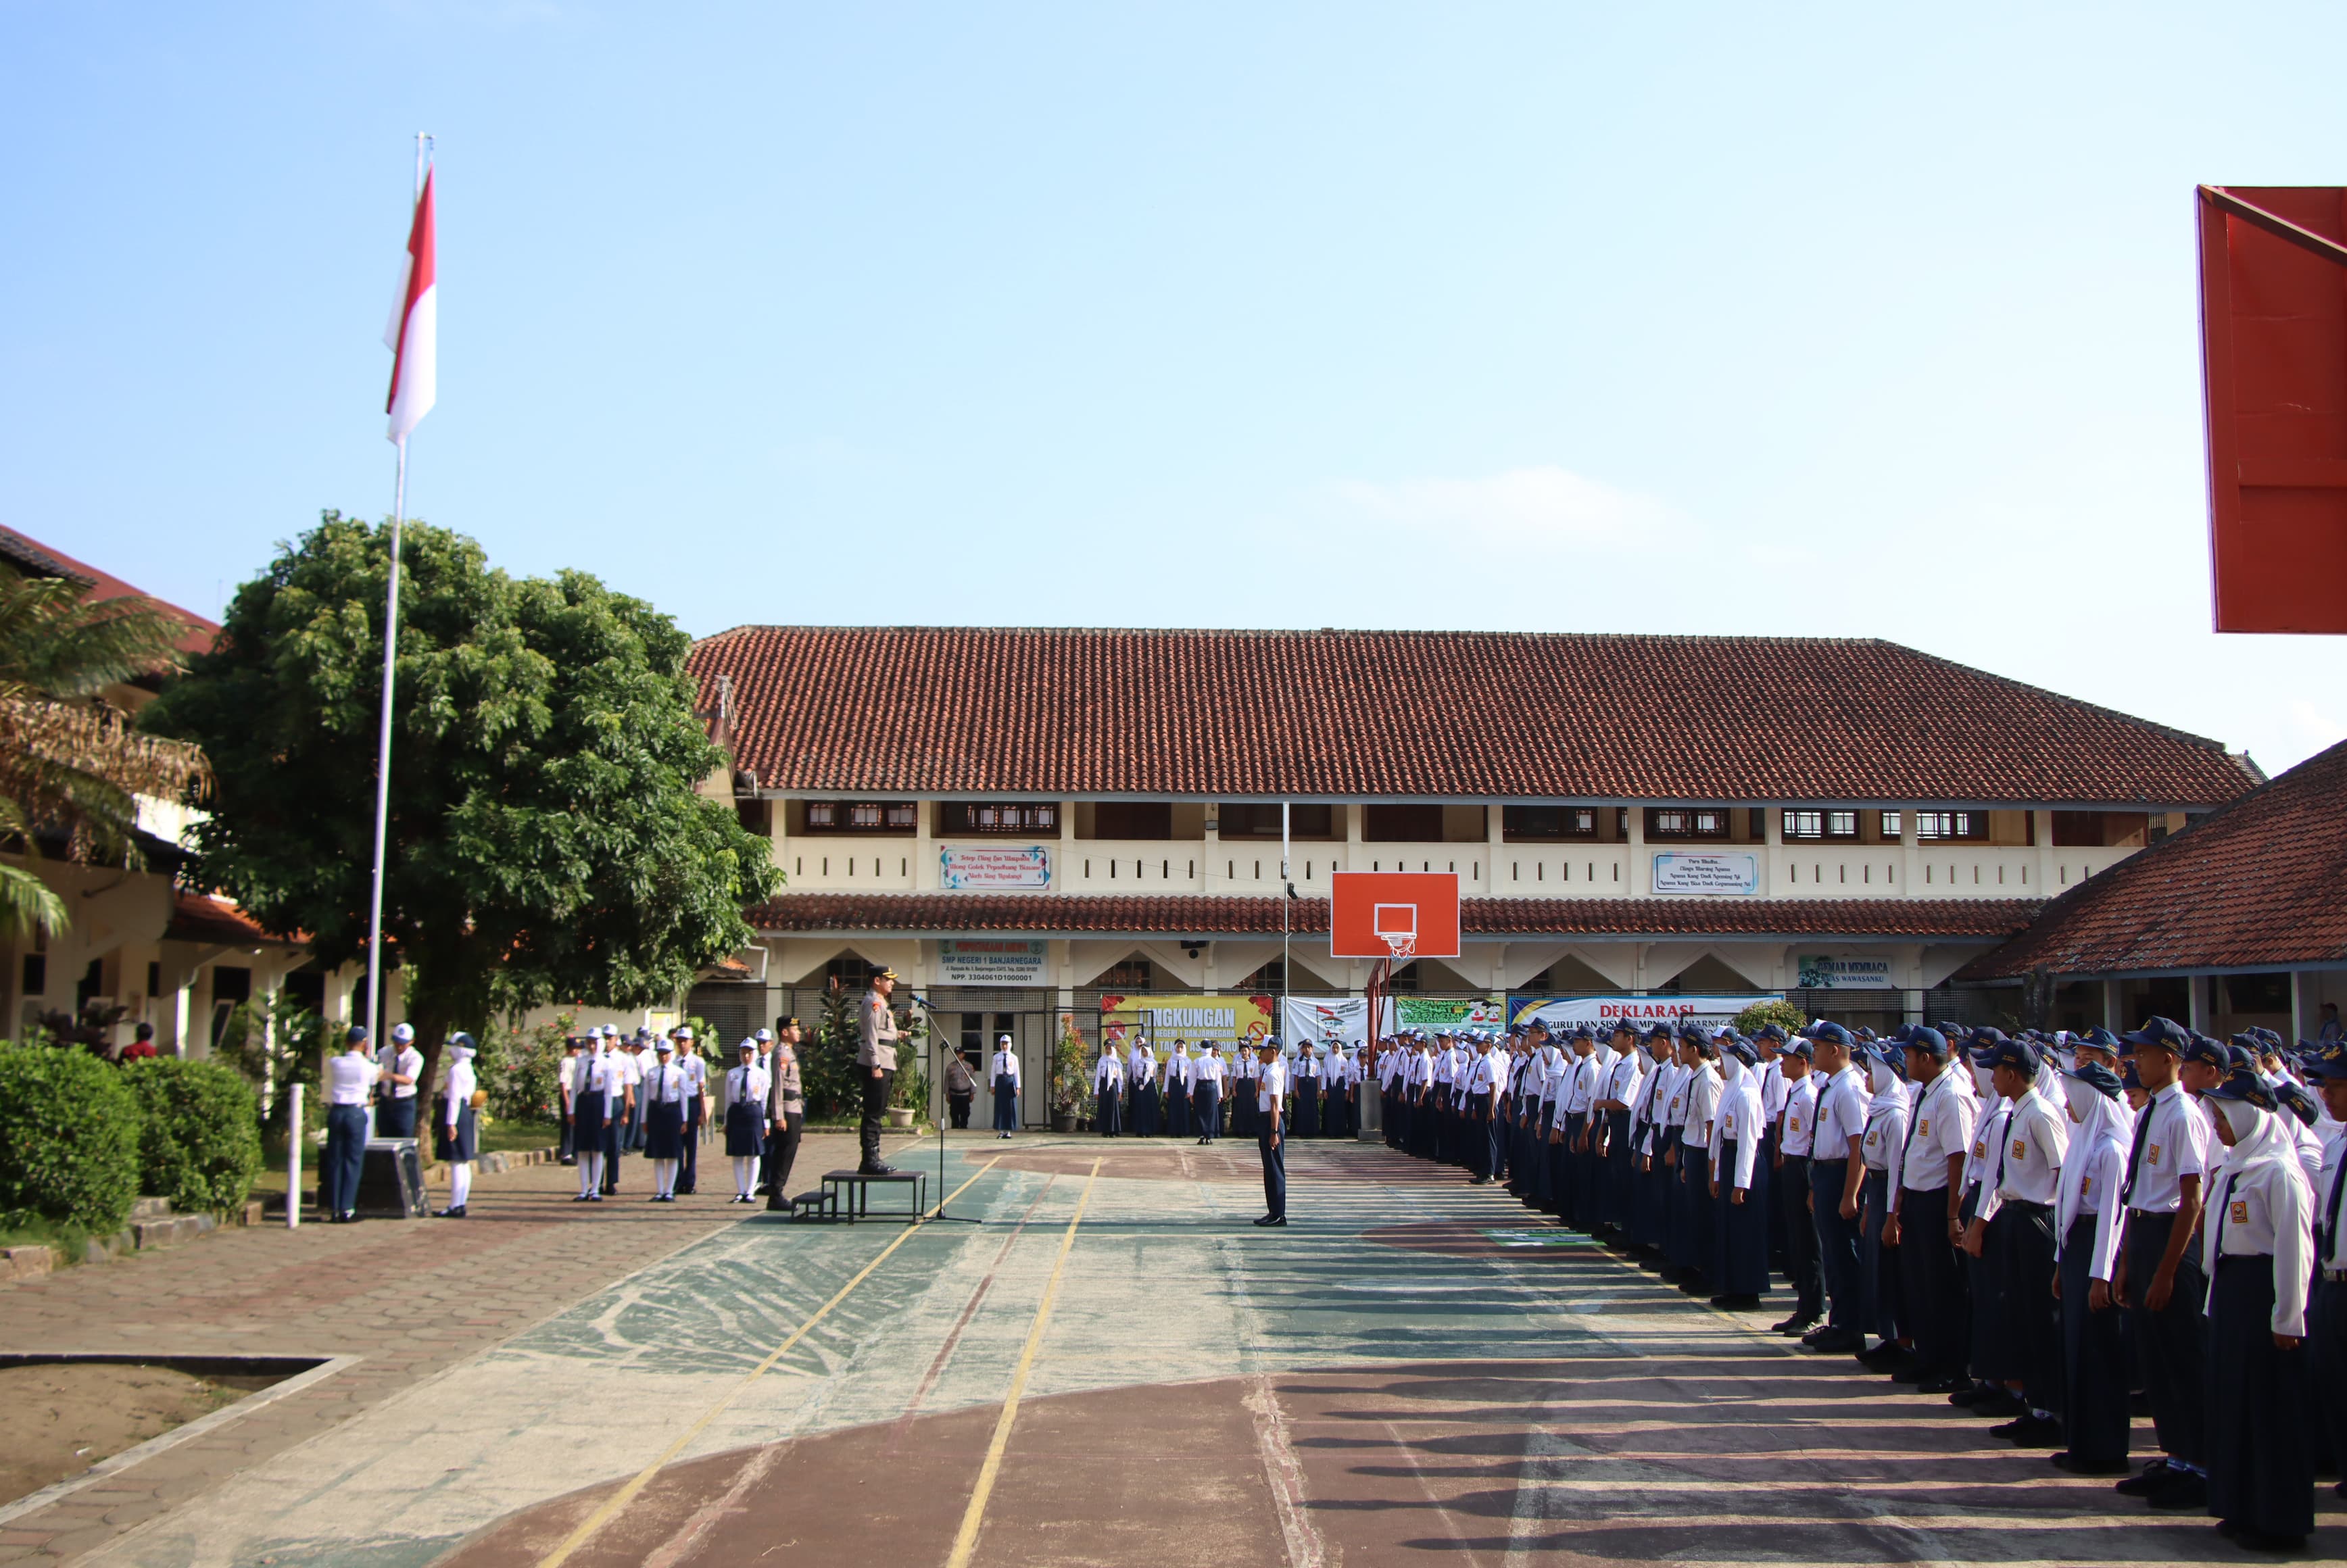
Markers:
1739,1180
2087,1225
2259,1248
459,1125
1881,1150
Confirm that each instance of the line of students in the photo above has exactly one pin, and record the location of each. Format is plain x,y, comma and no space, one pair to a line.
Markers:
655,1094
1186,1095
2017,1224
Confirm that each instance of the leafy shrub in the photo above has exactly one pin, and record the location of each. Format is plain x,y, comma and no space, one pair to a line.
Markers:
276,1042
521,1069
201,1144
69,1130
1784,1014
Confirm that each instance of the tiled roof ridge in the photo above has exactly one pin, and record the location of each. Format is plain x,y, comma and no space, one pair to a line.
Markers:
2320,776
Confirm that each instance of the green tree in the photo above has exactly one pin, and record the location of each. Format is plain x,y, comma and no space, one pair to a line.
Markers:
546,838
1783,1014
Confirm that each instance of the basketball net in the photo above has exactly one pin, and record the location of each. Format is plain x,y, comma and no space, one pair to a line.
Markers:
1400,946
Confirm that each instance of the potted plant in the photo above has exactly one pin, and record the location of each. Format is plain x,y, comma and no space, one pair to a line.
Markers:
909,1096
1071,1084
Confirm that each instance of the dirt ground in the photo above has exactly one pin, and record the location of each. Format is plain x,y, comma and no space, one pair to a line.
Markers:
57,1420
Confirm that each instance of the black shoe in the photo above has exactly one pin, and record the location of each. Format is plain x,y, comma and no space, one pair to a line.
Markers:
2065,1459
1910,1372
875,1169
1267,1219
1944,1386
1736,1302
1835,1342
2258,1541
453,1212
2028,1431
1971,1394
2146,1480
582,1198
780,1206
1883,1358
1276,1220
1795,1324
2182,1490
1998,1404
1480,1182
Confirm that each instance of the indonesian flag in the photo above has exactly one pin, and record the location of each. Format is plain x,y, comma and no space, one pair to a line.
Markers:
415,317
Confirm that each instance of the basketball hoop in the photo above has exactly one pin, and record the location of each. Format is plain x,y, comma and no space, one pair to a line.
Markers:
1400,946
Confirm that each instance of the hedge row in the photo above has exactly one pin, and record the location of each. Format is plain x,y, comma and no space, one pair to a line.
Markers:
80,1138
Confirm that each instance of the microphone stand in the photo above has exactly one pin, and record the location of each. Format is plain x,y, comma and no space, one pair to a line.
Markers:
937,1078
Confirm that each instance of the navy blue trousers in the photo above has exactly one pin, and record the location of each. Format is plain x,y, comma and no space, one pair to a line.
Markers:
1274,1171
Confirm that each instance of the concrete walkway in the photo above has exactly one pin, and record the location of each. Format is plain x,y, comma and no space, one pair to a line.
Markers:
1114,1367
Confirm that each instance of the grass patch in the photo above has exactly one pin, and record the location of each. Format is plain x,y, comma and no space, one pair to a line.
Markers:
34,1230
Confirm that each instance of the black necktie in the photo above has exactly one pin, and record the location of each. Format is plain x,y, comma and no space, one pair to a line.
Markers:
2330,1209
2223,1204
2004,1147
2135,1153
1913,1127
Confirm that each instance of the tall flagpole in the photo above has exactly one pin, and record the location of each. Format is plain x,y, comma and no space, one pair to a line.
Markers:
383,732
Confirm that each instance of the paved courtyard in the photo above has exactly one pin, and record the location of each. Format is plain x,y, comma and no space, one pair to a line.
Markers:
1113,1368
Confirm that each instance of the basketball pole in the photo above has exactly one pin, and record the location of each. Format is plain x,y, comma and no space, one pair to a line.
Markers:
1287,902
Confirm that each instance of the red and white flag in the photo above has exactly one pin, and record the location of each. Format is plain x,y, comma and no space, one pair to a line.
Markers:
414,318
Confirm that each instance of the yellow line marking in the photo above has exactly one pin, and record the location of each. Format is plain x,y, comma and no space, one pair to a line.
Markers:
627,1494
965,1539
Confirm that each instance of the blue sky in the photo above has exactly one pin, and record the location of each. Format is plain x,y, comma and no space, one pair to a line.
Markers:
1827,320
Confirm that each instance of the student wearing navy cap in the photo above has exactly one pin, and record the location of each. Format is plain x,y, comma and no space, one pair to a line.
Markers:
1795,1133
2258,1249
1882,1151
1837,1172
2087,1225
2327,1323
2011,1233
1926,1231
2159,1280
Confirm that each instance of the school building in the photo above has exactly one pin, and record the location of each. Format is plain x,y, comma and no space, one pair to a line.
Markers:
1023,821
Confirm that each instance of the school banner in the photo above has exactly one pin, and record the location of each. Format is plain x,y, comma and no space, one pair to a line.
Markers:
1441,1014
1602,1013
1336,1022
1836,972
1166,1018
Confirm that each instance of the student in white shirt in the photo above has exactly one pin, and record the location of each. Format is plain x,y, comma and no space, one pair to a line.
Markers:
1108,1092
2326,1325
1797,1128
1880,1151
665,1088
1270,1087
2012,1233
349,1089
741,1103
2258,1249
1739,1183
1002,1076
457,1140
2088,1224
1926,1228
1206,1096
1836,1176
401,1064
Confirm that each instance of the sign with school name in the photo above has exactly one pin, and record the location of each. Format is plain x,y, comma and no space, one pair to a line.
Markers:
982,961
1832,972
994,866
1641,1013
1732,873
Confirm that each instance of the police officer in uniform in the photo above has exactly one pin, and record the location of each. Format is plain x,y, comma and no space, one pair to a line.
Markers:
786,1117
876,1067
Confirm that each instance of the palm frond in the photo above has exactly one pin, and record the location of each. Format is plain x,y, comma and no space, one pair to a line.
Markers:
29,906
56,643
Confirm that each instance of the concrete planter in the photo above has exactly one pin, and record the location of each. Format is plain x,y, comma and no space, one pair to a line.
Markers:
900,1116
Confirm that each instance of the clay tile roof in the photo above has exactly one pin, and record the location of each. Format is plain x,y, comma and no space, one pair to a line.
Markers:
1980,919
1426,714
35,559
198,917
2257,886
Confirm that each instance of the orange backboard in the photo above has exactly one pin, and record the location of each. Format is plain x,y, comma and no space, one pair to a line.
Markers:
1369,910
2273,339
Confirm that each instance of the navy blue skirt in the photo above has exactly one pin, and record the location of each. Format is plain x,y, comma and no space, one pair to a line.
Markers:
587,1122
742,1137
664,1130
